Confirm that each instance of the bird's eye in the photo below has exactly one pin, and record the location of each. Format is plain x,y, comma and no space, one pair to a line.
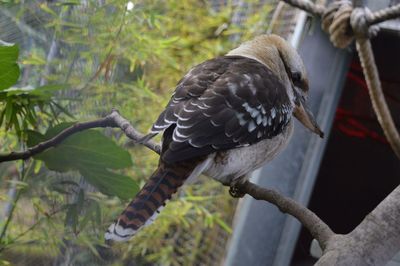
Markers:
296,77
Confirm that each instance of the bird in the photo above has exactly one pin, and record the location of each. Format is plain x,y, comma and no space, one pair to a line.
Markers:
227,117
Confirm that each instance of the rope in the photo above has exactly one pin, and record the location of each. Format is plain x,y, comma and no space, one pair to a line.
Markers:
344,24
385,14
335,21
364,49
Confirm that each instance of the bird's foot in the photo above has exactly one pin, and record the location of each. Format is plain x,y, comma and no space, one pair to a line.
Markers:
235,190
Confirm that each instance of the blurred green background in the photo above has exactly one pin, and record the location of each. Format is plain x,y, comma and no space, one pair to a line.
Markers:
68,61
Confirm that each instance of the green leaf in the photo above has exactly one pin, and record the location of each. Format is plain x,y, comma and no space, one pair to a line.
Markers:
9,69
62,109
34,59
45,8
8,113
224,225
91,153
70,3
87,149
53,131
43,92
34,138
2,116
110,183
18,184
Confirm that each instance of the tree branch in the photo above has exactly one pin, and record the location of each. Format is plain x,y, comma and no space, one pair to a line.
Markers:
318,229
373,242
23,155
315,225
112,120
131,132
336,247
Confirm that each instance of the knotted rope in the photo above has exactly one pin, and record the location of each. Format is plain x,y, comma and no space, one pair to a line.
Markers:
345,24
335,21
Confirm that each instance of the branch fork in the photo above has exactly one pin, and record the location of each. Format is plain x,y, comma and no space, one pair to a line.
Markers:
315,225
368,243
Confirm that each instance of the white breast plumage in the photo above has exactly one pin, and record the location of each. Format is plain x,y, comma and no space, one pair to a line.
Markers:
240,162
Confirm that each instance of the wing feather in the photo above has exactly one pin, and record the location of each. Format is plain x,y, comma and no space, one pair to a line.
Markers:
223,103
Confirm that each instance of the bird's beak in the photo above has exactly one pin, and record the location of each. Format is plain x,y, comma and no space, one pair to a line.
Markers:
303,114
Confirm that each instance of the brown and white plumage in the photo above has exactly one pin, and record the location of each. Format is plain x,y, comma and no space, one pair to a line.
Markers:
226,118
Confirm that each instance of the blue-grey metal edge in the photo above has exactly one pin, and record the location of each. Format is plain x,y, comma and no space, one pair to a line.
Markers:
262,235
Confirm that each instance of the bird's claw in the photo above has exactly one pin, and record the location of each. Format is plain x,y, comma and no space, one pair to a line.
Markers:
235,190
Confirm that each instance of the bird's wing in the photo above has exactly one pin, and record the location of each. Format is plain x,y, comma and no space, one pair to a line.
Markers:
223,103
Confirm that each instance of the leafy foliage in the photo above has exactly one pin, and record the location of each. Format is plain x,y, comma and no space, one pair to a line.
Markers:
87,149
91,153
20,106
9,70
104,55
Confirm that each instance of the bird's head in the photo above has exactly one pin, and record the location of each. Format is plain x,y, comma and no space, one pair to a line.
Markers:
284,61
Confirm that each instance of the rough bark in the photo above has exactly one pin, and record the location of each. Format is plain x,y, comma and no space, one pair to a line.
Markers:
373,242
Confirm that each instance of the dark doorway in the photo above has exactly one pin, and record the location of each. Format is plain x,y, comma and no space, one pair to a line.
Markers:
359,168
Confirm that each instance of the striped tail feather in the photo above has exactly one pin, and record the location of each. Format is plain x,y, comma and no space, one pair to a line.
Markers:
148,203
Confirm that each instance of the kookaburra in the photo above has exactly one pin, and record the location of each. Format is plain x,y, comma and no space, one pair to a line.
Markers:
227,117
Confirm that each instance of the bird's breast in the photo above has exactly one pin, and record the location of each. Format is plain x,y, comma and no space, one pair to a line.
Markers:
231,164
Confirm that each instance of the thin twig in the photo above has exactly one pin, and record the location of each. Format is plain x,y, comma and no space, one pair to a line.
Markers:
132,132
14,240
109,54
24,173
315,225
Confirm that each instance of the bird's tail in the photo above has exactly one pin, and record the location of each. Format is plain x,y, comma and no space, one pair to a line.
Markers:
147,204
